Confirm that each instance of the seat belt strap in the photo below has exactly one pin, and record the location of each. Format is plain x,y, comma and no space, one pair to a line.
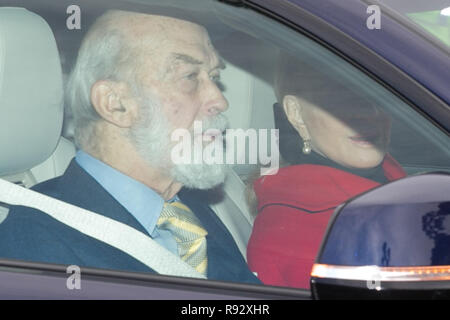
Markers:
112,232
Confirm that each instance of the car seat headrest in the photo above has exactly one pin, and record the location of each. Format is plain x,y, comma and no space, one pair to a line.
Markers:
31,91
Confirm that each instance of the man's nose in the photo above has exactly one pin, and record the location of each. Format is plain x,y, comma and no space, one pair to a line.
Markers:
217,104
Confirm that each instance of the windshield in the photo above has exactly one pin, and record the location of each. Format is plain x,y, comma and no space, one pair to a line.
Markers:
432,16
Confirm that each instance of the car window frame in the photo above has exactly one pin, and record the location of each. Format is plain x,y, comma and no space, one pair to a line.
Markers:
410,24
135,282
375,66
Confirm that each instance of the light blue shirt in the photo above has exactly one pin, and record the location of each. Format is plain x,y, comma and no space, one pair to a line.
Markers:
141,201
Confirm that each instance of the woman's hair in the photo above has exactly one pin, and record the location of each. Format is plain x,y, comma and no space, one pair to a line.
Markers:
299,78
317,85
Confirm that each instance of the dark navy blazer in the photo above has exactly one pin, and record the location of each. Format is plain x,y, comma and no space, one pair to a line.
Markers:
31,235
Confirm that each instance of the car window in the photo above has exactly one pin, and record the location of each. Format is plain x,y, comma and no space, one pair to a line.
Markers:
433,16
338,130
435,22
296,129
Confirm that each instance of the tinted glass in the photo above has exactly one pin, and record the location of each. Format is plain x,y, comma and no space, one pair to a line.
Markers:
432,16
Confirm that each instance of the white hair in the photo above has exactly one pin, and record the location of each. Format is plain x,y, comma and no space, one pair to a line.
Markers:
104,54
150,135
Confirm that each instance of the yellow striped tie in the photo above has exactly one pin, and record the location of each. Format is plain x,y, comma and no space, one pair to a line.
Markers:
188,232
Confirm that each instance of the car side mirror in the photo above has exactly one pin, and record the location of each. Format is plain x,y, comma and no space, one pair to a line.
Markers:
392,242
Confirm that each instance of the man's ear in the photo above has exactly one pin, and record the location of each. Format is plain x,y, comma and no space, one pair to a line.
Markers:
112,102
294,113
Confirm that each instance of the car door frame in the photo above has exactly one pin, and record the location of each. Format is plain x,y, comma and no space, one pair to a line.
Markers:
33,280
349,38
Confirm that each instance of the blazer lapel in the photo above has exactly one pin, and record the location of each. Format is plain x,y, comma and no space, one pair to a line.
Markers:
77,187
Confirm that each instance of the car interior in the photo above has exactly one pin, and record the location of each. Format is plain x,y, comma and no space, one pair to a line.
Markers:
33,116
35,129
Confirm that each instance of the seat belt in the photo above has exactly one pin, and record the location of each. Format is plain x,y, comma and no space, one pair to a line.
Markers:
112,232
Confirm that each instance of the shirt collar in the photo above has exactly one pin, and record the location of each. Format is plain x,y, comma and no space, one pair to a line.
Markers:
141,201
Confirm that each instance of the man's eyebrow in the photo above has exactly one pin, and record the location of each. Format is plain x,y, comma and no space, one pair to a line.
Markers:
185,58
191,60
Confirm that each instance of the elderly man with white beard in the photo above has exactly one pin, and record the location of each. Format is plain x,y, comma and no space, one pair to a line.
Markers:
137,78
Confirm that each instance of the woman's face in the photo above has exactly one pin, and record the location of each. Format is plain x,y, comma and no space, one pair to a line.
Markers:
355,136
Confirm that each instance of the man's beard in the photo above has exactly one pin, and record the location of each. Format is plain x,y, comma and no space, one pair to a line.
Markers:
151,137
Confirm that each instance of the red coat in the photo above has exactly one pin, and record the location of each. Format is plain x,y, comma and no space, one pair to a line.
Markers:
294,208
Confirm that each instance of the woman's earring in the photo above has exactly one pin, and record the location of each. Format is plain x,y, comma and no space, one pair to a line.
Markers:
306,146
